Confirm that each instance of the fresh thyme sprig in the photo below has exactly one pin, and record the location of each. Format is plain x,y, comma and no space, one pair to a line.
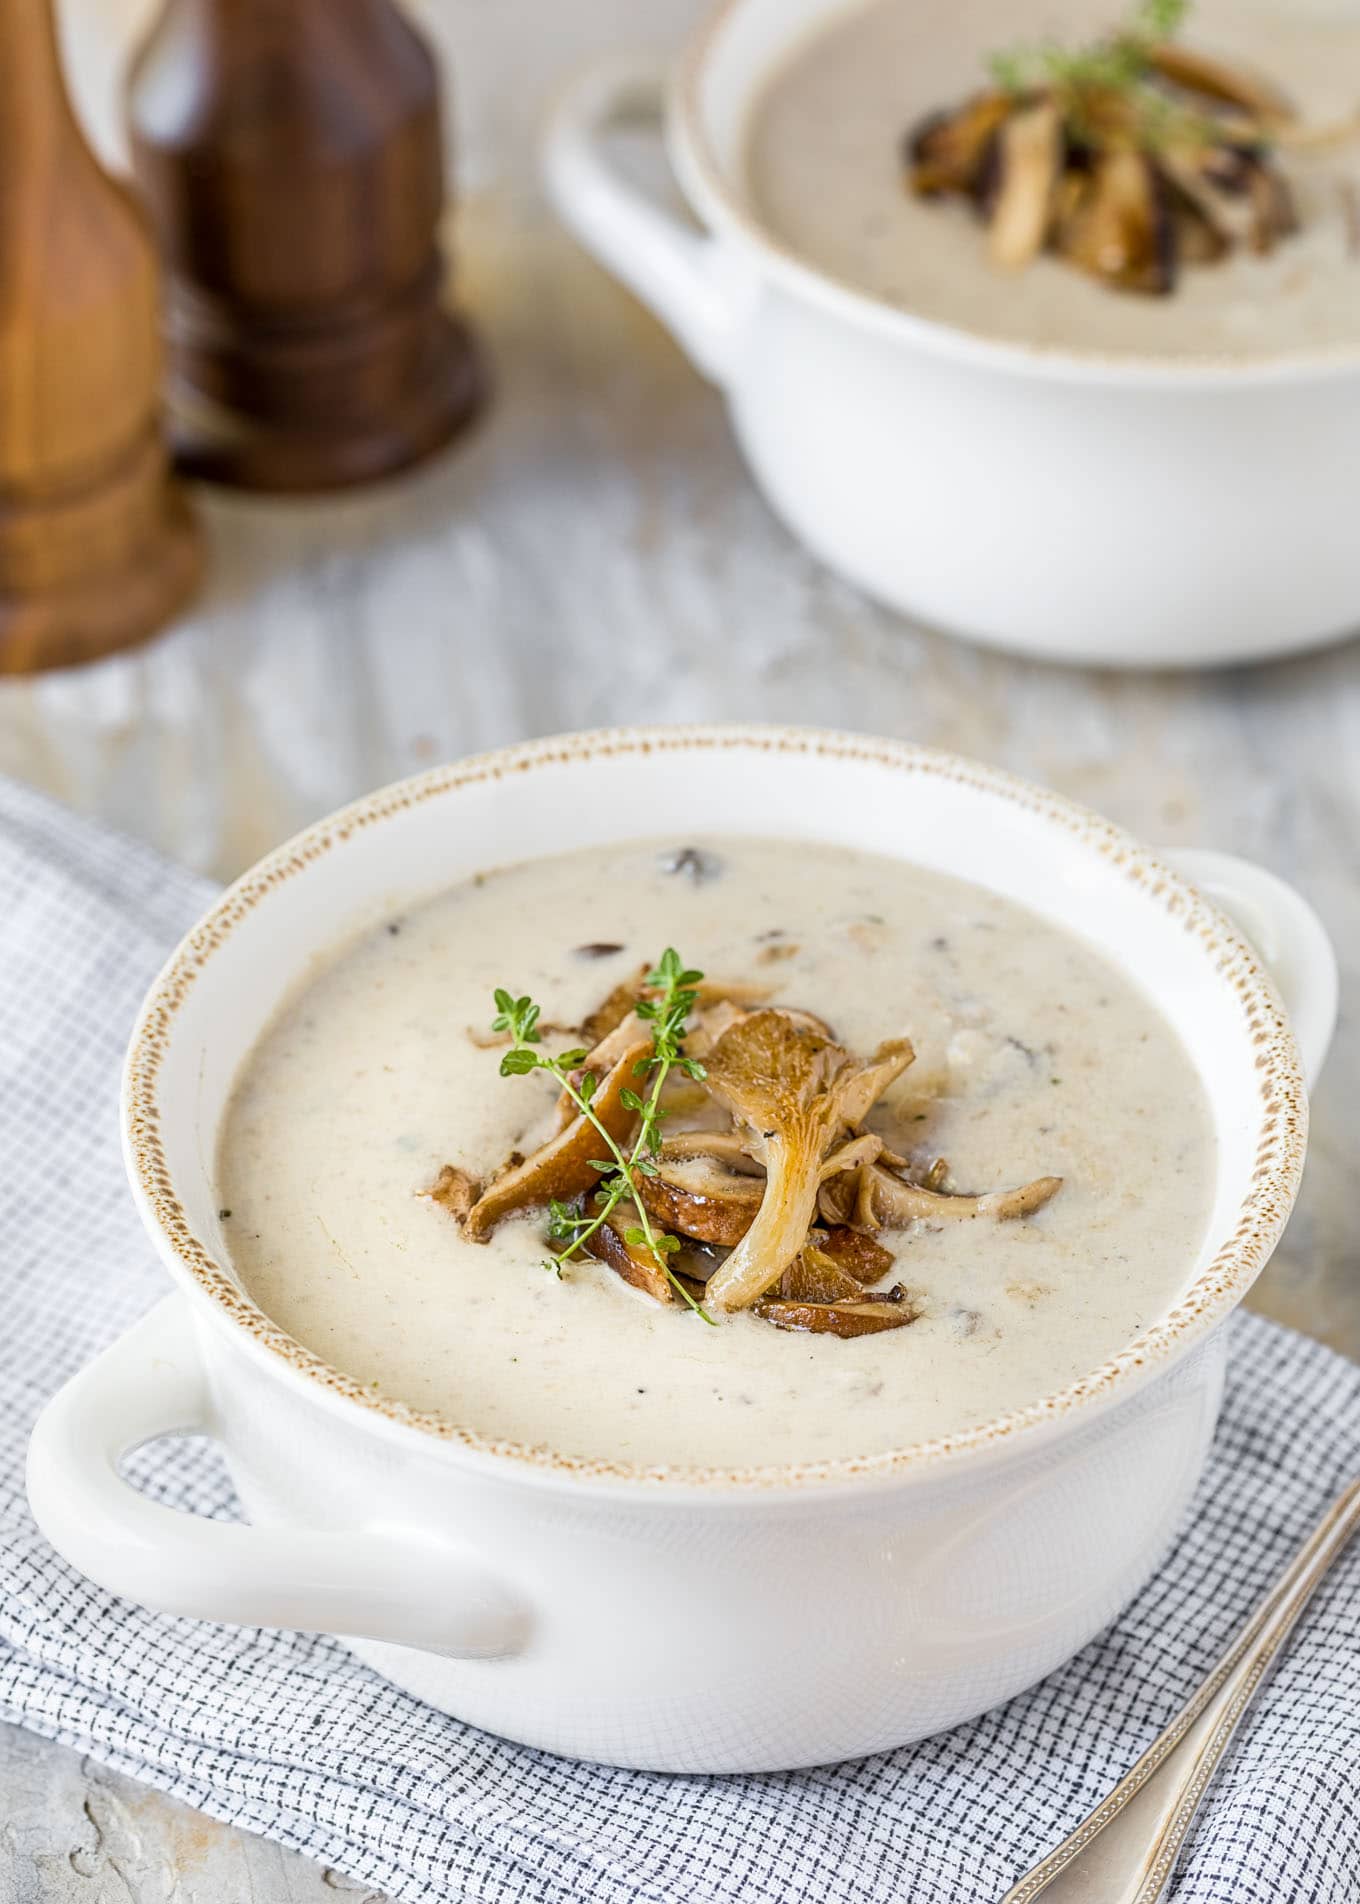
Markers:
670,998
1119,61
1119,64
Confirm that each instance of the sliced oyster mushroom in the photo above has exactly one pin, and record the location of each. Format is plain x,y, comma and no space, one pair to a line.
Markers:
709,1187
1029,152
947,151
701,1198
858,1254
834,1265
1197,236
724,1146
1121,228
1252,93
1272,204
886,1201
561,1167
873,1077
862,1315
790,1088
633,1262
1240,197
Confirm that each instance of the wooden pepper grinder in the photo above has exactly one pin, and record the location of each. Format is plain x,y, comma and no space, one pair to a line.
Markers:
97,549
291,156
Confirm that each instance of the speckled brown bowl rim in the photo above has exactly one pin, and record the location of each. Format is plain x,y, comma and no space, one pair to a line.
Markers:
703,175
1220,1285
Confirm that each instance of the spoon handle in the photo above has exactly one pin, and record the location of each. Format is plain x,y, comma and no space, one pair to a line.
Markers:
1123,1852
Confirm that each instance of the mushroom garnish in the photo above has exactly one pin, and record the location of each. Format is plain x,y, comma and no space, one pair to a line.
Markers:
702,1198
1028,160
1129,157
701,1192
883,1200
948,151
562,1168
775,1211
865,1314
790,1087
1119,225
725,1146
632,1261
835,1265
1252,94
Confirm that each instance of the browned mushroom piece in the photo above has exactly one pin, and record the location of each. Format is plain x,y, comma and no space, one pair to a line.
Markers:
835,1265
1249,92
702,1198
886,1201
633,1262
836,1198
789,1087
723,1146
1272,202
858,1254
1198,236
456,1190
863,1315
1121,228
1029,156
947,151
1235,192
813,1276
560,1168
709,1187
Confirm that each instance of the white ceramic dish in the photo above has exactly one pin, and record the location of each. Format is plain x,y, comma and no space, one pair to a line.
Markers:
526,1592
1125,512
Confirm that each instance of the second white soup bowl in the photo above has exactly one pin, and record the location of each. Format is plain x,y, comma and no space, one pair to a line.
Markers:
1118,510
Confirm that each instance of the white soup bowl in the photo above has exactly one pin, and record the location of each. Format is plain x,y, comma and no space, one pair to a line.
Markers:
1129,511
527,1591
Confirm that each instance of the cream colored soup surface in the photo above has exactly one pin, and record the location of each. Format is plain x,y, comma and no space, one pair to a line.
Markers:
825,174
1035,1056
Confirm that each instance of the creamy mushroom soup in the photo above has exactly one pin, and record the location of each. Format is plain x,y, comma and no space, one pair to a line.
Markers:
825,173
979,1055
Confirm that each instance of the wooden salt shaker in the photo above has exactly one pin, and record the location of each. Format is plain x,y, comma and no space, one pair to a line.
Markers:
291,156
97,548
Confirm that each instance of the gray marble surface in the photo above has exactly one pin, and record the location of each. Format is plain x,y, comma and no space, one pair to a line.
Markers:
596,553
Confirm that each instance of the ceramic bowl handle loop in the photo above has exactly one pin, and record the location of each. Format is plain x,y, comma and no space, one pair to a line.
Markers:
684,277
368,1582
1290,938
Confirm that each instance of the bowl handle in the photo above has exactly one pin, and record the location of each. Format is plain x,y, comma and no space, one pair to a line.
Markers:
368,1582
1290,938
686,278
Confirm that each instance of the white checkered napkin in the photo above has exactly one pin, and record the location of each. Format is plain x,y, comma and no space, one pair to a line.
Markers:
286,1734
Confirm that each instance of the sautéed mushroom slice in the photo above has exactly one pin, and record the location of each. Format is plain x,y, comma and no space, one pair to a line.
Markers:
561,1168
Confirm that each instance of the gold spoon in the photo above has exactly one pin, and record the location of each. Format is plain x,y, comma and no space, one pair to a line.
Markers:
1125,1850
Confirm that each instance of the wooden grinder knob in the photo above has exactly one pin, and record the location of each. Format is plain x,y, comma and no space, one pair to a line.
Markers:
97,548
291,156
